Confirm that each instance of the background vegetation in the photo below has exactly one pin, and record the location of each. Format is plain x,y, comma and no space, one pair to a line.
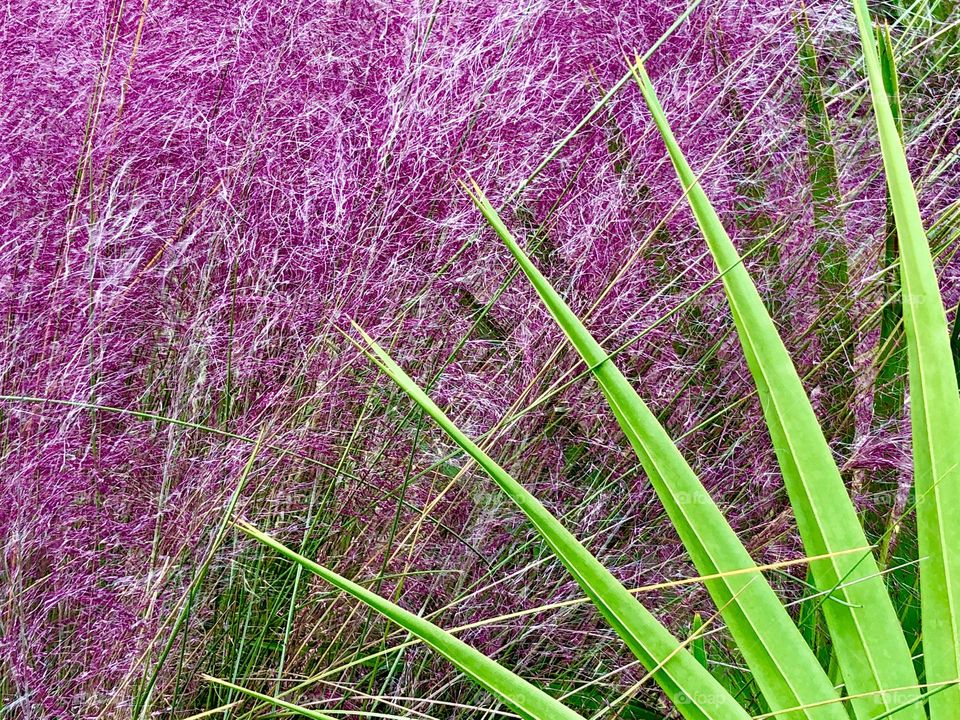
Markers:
197,199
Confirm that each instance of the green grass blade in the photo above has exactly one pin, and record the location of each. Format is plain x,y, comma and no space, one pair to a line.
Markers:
698,646
891,360
824,183
865,632
299,710
955,344
783,665
694,691
142,700
892,355
832,265
934,403
522,696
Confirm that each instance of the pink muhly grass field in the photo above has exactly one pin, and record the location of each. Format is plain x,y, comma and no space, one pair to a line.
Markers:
197,198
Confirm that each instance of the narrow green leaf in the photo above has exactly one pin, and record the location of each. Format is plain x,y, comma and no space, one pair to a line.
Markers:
892,353
523,697
934,404
698,646
924,698
890,384
822,161
955,344
694,691
300,710
866,635
888,72
831,251
783,665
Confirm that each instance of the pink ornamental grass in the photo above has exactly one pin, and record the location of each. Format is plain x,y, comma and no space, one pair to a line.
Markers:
196,196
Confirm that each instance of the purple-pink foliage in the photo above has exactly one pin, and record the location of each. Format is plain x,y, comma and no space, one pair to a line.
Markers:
196,196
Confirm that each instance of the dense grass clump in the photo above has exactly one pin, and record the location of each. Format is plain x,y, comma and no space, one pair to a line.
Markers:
196,202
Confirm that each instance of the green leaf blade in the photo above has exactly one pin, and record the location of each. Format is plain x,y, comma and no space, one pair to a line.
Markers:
785,669
278,702
892,355
934,402
692,689
828,222
869,643
522,696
